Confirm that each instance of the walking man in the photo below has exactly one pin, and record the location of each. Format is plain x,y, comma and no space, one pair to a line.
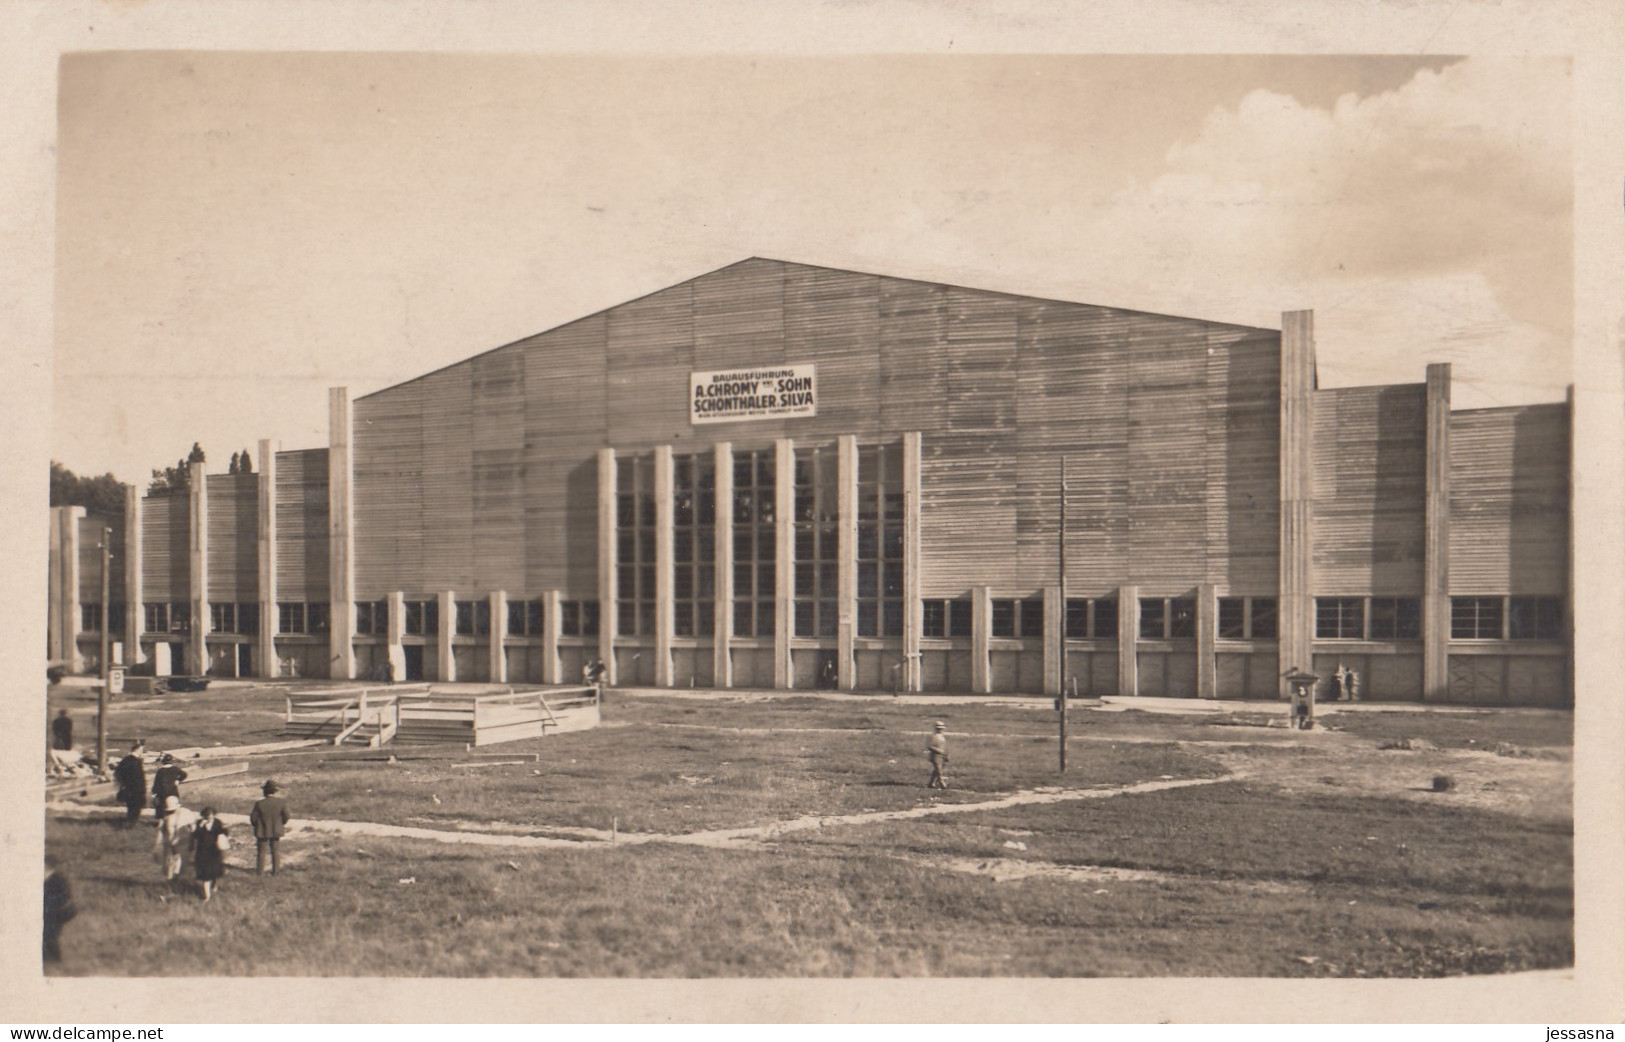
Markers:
131,775
270,821
936,749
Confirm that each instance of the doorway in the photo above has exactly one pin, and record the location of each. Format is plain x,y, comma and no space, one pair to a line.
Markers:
414,661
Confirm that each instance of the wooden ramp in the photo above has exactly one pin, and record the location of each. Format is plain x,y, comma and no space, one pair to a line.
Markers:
470,715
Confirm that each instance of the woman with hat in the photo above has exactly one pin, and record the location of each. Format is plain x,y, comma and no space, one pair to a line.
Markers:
209,842
166,787
270,821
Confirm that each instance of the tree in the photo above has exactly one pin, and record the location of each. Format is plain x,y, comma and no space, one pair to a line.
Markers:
236,460
102,495
177,478
247,465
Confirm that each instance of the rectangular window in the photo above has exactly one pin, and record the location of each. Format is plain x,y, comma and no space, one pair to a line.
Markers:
180,617
1105,627
694,543
248,618
1077,617
1396,618
222,618
90,618
1246,618
465,618
1339,618
961,614
1263,615
1004,618
1528,618
880,540
1032,617
578,618
1182,617
1153,618
155,618
815,535
1475,618
372,618
422,618
291,617
316,616
934,618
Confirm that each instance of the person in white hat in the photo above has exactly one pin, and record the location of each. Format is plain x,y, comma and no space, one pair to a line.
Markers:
936,749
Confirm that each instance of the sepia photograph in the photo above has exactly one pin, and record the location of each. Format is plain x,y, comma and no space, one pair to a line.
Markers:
749,516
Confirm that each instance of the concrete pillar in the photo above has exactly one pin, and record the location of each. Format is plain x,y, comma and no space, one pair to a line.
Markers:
551,629
498,600
1295,604
67,591
1436,539
1054,641
608,615
722,673
665,612
340,538
197,559
846,582
784,558
133,588
981,632
270,621
55,647
445,669
1207,633
395,634
913,612
1128,640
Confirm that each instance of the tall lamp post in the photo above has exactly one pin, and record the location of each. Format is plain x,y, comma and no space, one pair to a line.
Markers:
107,674
1061,672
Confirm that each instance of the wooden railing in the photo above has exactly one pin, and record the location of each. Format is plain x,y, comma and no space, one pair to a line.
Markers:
425,712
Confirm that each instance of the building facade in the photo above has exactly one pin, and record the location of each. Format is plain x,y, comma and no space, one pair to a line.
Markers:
783,476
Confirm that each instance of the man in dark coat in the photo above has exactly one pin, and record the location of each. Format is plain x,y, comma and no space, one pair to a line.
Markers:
270,821
131,775
166,782
58,908
62,731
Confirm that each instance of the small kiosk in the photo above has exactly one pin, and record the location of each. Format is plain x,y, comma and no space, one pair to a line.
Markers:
1302,699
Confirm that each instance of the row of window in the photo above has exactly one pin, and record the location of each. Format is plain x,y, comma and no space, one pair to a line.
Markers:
1161,618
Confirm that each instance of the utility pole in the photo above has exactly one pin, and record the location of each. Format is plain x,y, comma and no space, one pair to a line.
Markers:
1061,702
101,697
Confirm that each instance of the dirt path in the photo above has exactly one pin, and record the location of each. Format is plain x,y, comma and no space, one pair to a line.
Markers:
714,838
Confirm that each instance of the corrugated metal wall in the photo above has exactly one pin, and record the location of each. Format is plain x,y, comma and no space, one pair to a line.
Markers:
233,533
164,551
301,518
1509,516
1370,485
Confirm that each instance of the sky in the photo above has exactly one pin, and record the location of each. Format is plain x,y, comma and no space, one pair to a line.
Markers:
238,232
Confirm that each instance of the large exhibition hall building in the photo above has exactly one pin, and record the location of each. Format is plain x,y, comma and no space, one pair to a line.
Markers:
784,476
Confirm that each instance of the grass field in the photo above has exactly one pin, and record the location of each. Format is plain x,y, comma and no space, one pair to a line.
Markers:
1280,853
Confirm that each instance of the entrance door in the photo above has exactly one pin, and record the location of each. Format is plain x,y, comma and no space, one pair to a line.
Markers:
245,660
414,661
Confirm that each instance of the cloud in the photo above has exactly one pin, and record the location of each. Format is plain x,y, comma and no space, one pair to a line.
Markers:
1432,220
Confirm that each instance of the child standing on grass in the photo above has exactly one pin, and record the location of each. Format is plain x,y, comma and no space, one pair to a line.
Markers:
208,843
936,749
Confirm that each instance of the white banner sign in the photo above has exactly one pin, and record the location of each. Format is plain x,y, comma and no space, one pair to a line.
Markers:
753,394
